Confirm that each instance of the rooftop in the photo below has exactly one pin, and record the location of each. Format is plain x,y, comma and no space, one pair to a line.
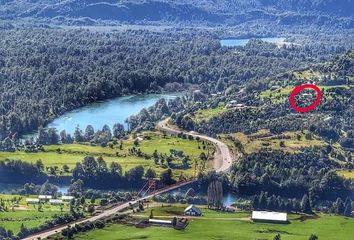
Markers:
270,216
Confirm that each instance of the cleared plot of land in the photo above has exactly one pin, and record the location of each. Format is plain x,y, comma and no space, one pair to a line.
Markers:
207,114
282,94
12,219
346,174
230,226
289,141
70,154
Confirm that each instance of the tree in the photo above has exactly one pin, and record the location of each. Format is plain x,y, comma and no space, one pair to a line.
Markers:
118,130
277,237
348,207
305,204
91,209
150,173
166,177
215,194
116,168
313,237
339,206
89,133
78,136
40,164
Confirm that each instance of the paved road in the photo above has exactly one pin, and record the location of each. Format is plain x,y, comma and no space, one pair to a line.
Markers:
223,161
223,158
104,214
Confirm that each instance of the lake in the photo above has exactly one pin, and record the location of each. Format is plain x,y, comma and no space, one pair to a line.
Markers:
108,112
242,42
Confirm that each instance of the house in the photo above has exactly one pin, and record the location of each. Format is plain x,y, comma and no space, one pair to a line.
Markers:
56,202
157,222
44,197
32,200
275,87
192,210
67,198
269,217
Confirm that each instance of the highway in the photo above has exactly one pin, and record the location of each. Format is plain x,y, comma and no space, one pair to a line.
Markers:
223,161
104,214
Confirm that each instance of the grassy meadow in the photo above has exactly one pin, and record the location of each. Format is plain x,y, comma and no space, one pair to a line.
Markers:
70,154
293,141
207,114
14,217
229,226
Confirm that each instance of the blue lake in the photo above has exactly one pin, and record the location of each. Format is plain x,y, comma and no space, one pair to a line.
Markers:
108,112
242,42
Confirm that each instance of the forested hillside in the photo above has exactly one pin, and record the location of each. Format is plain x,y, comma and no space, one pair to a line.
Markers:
286,12
45,73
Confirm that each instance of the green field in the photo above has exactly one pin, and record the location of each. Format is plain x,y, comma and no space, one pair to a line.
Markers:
255,142
207,114
225,226
27,215
282,95
70,154
348,174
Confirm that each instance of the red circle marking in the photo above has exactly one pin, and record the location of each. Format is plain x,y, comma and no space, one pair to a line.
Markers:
297,90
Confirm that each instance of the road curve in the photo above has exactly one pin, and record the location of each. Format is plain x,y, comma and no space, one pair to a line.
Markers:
104,214
223,162
223,158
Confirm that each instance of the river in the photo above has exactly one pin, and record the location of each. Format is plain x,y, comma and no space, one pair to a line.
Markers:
107,112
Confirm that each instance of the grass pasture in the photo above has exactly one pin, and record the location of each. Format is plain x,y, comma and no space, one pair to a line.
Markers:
70,154
254,142
29,215
207,114
229,226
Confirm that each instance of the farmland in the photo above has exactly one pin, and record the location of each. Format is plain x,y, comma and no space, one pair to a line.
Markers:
70,154
217,225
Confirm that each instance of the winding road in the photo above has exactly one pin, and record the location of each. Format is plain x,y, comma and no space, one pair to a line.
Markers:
222,163
223,158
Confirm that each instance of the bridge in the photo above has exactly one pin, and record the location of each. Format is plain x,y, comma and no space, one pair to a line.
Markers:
222,163
108,212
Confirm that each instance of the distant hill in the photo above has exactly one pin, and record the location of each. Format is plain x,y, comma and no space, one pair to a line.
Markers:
209,11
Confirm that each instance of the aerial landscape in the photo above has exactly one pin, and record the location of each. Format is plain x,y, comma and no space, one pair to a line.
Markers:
184,119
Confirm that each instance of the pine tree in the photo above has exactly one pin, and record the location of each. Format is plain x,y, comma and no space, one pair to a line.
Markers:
305,204
348,207
313,237
339,206
215,194
277,237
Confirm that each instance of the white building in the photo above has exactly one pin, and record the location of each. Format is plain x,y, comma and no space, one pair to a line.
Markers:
32,200
272,217
56,202
44,197
67,198
160,222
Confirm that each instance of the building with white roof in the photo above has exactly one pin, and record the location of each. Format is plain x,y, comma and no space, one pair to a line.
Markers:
192,210
67,198
32,200
56,202
272,217
160,222
45,197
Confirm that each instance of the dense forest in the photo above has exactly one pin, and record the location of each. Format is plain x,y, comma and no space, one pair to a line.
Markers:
220,12
45,72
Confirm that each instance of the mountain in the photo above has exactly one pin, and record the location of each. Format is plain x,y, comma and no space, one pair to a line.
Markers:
229,12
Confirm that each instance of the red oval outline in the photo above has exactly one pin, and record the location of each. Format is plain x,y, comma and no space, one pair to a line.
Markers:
297,90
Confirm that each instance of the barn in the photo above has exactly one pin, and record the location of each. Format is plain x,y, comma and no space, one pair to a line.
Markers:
192,210
269,217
